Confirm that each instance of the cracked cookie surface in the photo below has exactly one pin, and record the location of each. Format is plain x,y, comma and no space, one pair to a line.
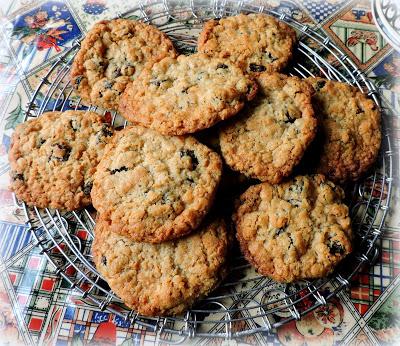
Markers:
270,136
53,158
153,187
349,134
166,278
296,230
112,54
254,42
187,94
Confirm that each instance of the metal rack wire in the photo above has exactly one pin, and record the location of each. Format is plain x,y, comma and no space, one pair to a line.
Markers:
245,298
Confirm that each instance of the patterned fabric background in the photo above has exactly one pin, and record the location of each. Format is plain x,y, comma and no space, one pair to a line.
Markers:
37,307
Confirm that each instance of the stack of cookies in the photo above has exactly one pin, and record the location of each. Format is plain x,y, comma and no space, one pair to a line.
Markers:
160,241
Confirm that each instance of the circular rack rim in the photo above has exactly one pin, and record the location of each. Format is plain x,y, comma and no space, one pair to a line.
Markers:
50,228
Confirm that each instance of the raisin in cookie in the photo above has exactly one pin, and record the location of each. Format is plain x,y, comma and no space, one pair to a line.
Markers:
296,230
53,158
349,134
184,95
153,187
166,278
113,53
255,42
271,135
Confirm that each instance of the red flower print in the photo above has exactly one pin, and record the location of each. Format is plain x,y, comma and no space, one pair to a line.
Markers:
305,302
367,37
355,37
371,40
326,314
45,42
352,41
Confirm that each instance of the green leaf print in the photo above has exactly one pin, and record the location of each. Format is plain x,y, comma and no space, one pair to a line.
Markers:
387,315
134,17
16,116
21,32
381,320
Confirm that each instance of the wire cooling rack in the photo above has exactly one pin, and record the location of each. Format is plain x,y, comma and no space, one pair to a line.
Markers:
246,302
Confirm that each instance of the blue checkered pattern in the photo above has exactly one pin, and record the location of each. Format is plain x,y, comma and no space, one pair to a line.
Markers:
321,9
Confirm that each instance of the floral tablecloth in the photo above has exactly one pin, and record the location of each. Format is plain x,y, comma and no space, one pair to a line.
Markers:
37,307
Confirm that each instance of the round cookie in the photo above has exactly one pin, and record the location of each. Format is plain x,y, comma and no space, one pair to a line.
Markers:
187,94
53,158
271,135
155,188
112,54
296,230
349,136
255,42
162,279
